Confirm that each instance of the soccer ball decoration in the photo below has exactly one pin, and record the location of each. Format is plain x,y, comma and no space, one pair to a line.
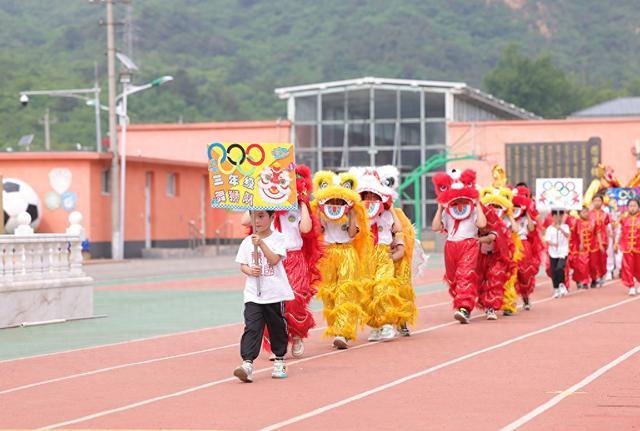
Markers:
18,197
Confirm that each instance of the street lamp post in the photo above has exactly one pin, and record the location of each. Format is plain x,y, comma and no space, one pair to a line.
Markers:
75,93
127,90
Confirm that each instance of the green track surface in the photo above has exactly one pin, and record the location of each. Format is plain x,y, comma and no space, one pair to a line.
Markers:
135,314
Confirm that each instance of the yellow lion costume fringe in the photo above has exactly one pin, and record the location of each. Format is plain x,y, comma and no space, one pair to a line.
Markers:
342,289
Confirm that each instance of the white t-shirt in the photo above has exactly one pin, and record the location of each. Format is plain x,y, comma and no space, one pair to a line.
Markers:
523,224
290,224
553,235
385,223
466,228
274,284
336,233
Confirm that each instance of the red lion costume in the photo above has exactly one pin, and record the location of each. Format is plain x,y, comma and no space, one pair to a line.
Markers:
457,193
529,265
495,269
301,265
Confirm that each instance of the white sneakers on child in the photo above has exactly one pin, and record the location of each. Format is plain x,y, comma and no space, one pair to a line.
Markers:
491,314
340,343
388,333
633,291
297,347
375,335
244,372
279,369
563,290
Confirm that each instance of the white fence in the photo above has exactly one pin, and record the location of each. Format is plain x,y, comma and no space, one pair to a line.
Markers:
41,279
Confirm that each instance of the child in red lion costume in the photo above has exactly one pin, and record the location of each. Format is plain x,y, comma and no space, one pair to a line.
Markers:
526,215
301,228
460,215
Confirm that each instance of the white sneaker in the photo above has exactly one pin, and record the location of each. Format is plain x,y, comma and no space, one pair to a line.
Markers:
375,335
388,333
556,293
244,372
491,314
563,290
340,343
609,276
279,370
297,347
633,291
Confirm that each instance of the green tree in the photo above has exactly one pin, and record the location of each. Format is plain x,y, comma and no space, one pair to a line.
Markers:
537,85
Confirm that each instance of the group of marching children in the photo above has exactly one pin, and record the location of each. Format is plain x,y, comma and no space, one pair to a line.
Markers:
601,246
348,245
493,243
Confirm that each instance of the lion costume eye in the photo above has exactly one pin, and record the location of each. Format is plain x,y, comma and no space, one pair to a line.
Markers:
389,182
324,185
348,184
443,188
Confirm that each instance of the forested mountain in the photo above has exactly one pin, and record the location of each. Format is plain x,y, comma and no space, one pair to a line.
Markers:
228,56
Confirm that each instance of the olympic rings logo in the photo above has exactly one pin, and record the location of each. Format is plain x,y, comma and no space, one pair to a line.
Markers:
564,189
626,194
235,157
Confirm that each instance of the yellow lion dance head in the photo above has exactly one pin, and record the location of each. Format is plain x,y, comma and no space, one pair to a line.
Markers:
500,198
335,198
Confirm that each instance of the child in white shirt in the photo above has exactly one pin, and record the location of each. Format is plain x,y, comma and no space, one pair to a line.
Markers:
266,289
557,238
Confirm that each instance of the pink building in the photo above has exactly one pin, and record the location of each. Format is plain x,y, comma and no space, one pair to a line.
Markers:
166,184
548,148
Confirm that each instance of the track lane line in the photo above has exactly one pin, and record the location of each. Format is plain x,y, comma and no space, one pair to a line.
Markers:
173,334
564,394
150,361
259,371
328,407
177,356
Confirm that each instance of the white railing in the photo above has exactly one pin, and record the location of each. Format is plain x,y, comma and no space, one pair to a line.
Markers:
41,276
40,257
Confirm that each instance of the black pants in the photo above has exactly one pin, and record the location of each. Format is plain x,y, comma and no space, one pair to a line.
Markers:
557,270
255,317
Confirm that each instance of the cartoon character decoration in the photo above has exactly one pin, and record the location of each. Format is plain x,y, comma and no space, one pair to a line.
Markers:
274,184
348,245
605,179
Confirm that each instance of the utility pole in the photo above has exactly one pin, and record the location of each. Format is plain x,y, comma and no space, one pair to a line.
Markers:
46,121
116,252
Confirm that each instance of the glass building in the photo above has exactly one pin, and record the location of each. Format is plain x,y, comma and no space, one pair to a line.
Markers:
377,121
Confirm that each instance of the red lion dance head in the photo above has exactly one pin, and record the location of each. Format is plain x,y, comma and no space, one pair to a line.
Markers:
522,202
457,192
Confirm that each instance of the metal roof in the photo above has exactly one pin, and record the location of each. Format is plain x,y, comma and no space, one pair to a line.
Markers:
621,107
457,88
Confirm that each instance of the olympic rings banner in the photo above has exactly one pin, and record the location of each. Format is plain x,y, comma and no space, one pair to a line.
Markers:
619,197
252,176
559,193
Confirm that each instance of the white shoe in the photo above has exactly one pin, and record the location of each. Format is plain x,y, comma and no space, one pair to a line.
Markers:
297,347
244,372
563,290
340,343
279,370
375,335
633,291
491,314
609,276
556,293
388,333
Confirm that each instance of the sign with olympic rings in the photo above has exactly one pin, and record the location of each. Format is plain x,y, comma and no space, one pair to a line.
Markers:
252,176
559,193
619,197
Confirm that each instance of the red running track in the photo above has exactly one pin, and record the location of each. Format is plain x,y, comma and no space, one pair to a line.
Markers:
446,376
